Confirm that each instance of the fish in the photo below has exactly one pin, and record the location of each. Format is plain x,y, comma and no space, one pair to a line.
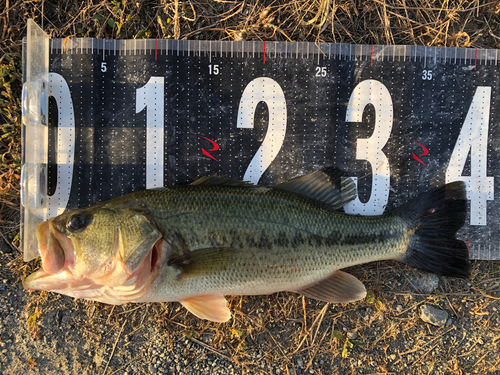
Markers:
219,236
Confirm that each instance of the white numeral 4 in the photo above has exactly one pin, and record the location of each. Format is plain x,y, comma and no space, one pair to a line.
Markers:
473,137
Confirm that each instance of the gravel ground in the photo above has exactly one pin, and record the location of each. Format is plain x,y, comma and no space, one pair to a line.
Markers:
284,333
42,333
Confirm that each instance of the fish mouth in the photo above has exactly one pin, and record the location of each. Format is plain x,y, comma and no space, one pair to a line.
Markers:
119,285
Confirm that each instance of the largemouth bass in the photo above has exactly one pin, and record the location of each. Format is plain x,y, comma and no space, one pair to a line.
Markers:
217,236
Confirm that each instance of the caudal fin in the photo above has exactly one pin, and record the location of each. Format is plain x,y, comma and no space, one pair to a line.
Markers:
435,217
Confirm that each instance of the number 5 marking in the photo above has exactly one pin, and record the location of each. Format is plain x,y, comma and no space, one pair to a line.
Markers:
370,149
265,90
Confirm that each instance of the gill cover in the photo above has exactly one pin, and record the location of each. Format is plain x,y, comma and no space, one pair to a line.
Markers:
136,237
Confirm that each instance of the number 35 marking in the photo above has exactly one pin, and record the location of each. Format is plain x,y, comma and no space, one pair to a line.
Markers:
427,75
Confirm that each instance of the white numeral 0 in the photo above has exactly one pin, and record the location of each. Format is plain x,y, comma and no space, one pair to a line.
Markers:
370,149
265,90
473,137
59,90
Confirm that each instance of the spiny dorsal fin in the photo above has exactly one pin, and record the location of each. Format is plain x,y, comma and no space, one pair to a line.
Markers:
340,287
221,180
328,185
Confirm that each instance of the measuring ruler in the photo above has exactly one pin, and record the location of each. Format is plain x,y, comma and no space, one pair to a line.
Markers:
135,114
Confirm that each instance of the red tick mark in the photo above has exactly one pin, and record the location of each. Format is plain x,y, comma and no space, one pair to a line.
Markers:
426,152
215,148
371,57
264,51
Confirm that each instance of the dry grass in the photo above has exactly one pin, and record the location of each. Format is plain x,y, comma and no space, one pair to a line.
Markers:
284,329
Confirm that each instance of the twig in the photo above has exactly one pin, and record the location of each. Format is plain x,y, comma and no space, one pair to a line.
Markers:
177,27
211,27
128,363
206,28
8,243
114,347
212,349
316,348
11,8
427,343
321,314
433,9
111,312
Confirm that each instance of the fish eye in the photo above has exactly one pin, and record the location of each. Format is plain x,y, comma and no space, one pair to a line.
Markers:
75,223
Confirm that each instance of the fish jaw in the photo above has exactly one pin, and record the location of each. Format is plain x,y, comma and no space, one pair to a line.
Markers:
55,248
120,284
117,287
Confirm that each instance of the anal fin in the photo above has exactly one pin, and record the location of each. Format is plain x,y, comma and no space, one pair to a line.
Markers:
210,307
340,287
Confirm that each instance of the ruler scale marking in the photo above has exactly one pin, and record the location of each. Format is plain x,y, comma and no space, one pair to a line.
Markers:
401,56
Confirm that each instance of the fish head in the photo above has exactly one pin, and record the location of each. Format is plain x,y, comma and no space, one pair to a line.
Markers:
98,253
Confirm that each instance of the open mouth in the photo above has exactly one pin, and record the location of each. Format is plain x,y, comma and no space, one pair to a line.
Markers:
119,285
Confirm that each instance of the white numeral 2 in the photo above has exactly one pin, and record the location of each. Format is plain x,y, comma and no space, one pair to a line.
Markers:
151,96
265,90
370,149
473,137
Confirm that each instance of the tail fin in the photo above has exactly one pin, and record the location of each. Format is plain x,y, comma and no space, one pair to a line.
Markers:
435,217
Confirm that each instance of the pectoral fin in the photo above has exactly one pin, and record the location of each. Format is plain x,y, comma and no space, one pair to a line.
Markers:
340,287
210,307
203,261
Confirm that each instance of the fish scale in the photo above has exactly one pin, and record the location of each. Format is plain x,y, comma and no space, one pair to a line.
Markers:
255,224
217,236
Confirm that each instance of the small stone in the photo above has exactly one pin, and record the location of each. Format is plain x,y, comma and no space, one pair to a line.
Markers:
399,308
425,283
300,363
433,316
352,335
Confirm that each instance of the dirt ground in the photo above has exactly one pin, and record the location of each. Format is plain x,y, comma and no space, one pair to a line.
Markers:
284,333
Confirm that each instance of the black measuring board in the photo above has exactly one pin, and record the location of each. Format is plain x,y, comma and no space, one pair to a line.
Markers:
135,114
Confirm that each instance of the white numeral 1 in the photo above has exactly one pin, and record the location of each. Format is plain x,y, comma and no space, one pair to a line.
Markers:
59,90
265,90
370,149
151,96
473,137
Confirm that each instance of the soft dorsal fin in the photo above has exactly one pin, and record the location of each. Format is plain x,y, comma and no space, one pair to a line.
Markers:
221,180
329,185
340,287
